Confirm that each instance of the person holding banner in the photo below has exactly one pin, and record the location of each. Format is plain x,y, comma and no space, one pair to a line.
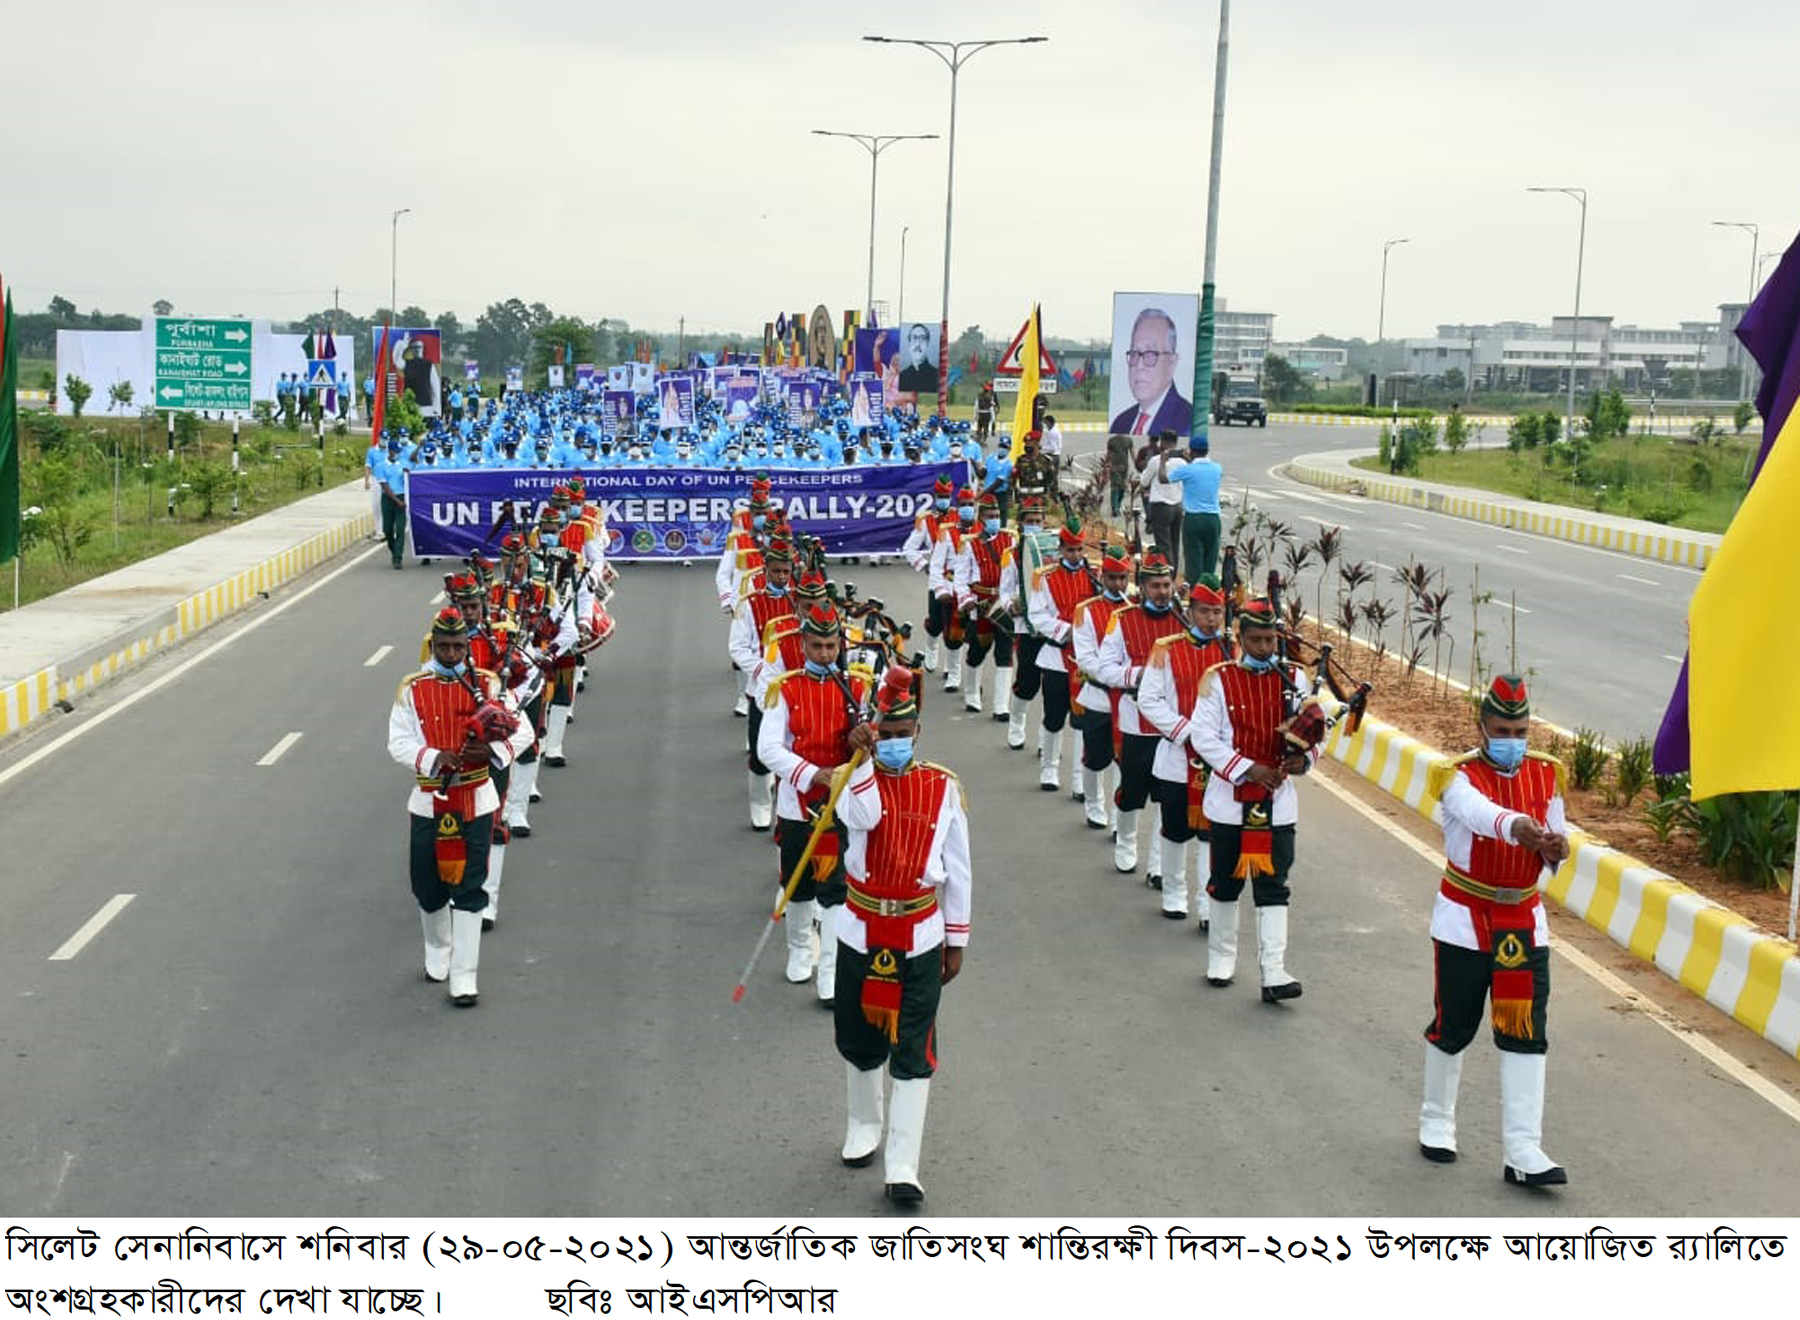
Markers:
813,722
976,581
902,935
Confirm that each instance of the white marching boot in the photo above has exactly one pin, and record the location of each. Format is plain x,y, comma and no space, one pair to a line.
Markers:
762,808
931,656
972,689
1203,877
1002,690
862,1134
1222,943
1125,843
1093,797
557,730
1521,1122
742,708
803,952
828,950
1174,878
953,671
1437,1115
1271,955
518,799
437,943
465,957
905,1137
496,870
1015,722
1050,759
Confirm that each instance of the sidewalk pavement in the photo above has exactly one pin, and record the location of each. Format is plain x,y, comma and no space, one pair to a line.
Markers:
62,645
1630,536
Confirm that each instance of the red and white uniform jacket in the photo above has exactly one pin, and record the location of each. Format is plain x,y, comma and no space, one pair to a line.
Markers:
1056,589
1131,635
1233,726
750,629
806,726
924,538
978,567
428,720
944,555
1092,618
1479,803
908,835
1168,690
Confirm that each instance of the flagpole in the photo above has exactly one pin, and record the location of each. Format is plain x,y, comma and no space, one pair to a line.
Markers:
1204,331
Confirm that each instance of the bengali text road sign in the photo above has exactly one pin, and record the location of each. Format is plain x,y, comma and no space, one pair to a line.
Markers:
203,363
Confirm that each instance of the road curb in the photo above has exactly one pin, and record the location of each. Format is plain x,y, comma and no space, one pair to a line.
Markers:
1704,946
1556,522
35,695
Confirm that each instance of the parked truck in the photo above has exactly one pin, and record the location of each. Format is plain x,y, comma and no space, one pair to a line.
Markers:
1237,397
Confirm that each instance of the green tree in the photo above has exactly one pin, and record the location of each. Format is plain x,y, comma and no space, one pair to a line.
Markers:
1456,431
61,308
119,396
162,307
570,335
77,391
1281,383
1741,415
55,486
1454,381
1525,432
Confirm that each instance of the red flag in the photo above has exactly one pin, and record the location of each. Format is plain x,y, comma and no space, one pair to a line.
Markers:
381,375
974,362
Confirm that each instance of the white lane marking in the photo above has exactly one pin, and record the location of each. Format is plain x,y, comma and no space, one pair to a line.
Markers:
1388,568
1674,658
95,924
1727,1063
1512,549
1641,581
25,763
1417,527
274,753
1508,605
380,655
438,599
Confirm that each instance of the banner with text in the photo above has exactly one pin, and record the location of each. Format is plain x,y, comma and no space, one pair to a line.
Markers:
675,513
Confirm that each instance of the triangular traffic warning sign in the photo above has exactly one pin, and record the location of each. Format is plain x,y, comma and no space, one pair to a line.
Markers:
321,374
1009,364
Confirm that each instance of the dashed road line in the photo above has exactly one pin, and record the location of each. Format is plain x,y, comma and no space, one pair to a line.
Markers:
274,753
381,654
1512,549
95,924
1641,581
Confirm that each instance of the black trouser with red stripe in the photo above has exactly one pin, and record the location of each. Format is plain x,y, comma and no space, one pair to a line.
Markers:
914,1053
1460,987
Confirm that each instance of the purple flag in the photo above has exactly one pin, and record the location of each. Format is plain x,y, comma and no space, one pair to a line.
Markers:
1770,331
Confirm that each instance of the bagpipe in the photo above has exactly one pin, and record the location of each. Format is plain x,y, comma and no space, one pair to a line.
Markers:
1308,723
872,639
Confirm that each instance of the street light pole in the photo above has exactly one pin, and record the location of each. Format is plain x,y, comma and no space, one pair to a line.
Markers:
954,54
1755,242
900,313
394,264
1381,316
1580,195
874,144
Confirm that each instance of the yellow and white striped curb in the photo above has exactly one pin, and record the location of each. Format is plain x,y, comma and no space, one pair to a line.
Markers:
1708,948
33,396
1671,547
29,698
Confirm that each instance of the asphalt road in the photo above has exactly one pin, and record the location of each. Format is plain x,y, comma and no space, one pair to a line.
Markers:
1600,634
249,1035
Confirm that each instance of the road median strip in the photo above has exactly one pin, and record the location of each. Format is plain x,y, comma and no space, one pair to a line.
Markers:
1702,945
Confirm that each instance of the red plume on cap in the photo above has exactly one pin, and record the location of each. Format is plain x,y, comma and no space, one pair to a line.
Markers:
1115,560
1258,613
896,700
1506,696
449,622
1069,540
989,502
1034,434
513,542
944,485
1155,564
966,495
820,620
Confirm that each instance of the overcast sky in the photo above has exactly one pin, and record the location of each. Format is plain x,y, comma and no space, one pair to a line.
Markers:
653,161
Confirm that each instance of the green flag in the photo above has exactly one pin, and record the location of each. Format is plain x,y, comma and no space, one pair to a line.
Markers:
9,434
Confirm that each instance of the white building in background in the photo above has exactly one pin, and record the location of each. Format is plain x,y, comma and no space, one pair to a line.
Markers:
1523,356
1241,339
1314,361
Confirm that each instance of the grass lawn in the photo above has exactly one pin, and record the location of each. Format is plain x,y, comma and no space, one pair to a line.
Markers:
1680,484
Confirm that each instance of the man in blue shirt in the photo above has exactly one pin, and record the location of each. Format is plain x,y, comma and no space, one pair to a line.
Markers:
1199,478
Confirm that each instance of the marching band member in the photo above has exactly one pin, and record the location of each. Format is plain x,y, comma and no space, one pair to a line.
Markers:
756,614
952,533
1055,592
976,581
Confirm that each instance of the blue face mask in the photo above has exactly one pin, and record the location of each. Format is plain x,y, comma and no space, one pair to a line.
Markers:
1507,753
1256,666
990,525
1113,595
816,670
1155,608
942,504
774,590
447,671
965,515
893,753
759,522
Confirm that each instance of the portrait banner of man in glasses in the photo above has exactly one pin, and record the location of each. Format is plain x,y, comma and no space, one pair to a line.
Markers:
1152,362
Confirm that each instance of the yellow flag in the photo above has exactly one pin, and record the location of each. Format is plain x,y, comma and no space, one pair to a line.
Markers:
1742,627
1029,353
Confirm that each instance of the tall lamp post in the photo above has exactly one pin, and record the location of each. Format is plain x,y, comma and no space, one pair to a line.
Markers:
874,144
1381,318
394,264
1755,242
1580,195
954,54
900,313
